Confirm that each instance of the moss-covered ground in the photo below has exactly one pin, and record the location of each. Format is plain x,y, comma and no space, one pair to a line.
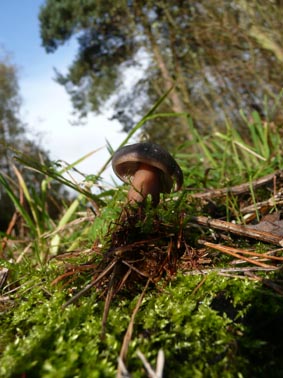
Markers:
209,318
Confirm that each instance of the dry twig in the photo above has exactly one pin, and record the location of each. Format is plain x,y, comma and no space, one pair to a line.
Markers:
159,364
235,252
129,332
240,189
240,230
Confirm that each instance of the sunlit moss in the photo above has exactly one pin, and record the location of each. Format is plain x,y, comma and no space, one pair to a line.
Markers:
202,332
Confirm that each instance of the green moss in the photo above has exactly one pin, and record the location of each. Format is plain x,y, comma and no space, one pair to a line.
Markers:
212,326
219,329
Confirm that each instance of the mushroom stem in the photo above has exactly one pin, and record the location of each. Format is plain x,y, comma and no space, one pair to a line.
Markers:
145,181
150,170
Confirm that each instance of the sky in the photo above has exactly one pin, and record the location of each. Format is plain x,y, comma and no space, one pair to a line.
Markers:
46,107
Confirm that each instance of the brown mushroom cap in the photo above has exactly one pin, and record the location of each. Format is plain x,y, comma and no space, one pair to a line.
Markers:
126,161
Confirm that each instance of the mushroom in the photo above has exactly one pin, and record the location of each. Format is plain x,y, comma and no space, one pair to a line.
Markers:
149,168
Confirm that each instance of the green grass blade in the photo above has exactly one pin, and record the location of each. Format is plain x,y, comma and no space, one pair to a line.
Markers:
17,204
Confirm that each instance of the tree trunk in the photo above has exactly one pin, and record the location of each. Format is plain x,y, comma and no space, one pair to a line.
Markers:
177,103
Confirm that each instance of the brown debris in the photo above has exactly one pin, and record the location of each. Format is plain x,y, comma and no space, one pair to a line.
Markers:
134,258
142,251
242,188
240,230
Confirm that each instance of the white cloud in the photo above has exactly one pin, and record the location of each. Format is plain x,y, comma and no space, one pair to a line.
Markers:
48,112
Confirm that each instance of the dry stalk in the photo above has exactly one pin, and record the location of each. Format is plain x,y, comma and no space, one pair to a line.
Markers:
236,253
244,231
129,332
240,189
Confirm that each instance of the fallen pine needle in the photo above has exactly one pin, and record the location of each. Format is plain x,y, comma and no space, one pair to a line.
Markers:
235,253
129,332
159,364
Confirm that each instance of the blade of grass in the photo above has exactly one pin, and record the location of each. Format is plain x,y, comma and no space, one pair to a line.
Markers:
147,117
31,203
55,241
18,205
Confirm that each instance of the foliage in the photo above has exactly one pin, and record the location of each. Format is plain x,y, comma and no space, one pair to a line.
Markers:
208,326
221,56
18,184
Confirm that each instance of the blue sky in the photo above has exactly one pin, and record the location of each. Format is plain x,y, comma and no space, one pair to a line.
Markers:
46,107
19,29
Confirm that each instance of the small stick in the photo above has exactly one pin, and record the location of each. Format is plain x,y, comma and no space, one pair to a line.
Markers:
122,369
238,230
239,189
271,202
230,252
224,270
250,253
89,286
129,332
110,294
160,364
199,285
146,364
8,232
245,277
